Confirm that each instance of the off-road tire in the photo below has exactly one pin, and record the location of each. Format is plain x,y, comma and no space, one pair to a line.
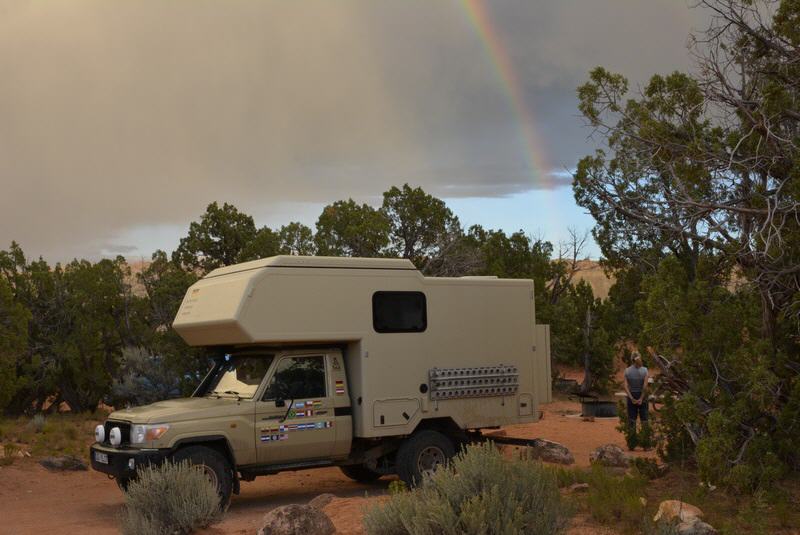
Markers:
360,473
415,449
215,462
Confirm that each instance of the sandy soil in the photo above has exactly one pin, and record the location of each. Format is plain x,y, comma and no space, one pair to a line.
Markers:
34,501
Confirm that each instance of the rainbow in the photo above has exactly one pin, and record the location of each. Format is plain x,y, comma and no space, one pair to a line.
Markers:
498,56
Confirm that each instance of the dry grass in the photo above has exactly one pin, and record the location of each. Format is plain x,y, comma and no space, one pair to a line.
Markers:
56,434
628,503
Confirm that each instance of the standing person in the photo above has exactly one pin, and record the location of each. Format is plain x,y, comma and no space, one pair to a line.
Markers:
636,389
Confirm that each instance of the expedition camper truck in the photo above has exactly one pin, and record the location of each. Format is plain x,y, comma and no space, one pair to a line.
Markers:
362,363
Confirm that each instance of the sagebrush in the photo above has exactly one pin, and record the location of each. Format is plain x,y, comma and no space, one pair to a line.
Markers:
173,498
479,492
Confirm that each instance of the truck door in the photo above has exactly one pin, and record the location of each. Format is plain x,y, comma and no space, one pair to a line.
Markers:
295,416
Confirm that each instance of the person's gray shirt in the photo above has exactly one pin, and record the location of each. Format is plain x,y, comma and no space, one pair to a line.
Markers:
635,378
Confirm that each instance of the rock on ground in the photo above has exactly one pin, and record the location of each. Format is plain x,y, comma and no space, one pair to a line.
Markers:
296,520
610,455
551,452
670,510
687,517
66,462
578,487
695,527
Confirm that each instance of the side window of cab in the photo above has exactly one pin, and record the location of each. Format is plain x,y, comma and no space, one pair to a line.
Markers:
297,378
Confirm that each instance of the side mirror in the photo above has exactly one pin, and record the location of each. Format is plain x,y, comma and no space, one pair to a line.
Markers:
280,402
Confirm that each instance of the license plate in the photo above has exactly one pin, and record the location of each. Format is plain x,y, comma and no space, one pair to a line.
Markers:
101,457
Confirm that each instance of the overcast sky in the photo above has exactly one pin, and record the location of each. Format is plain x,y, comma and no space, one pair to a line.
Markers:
120,121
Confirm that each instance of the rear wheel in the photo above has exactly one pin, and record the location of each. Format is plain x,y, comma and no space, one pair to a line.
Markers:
422,453
359,472
215,466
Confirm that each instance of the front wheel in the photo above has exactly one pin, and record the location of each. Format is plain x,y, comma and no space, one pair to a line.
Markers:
214,465
423,453
360,473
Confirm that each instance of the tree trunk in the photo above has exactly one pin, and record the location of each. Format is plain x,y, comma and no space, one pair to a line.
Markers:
588,379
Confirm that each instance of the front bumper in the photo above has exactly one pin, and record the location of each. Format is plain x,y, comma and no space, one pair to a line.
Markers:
119,460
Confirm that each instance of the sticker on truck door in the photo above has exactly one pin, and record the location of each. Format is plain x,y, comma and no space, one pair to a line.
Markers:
282,432
339,388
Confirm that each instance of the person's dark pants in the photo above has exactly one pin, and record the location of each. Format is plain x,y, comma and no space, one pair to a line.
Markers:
635,411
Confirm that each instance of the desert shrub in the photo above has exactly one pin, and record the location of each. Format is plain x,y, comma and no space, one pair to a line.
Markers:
624,427
479,492
648,468
143,379
642,437
397,486
9,453
168,499
37,423
567,476
616,500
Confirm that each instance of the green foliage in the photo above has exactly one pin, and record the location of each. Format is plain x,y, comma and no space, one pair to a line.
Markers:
480,492
643,436
419,224
219,239
265,243
80,317
695,205
625,427
37,423
346,229
168,359
143,378
397,486
14,318
567,476
168,499
616,500
649,468
296,239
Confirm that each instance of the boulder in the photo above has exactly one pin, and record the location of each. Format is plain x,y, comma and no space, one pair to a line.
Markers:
321,501
671,510
610,455
66,462
578,487
695,527
296,520
551,452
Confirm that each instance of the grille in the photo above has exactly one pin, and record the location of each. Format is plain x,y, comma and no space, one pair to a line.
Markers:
125,429
483,381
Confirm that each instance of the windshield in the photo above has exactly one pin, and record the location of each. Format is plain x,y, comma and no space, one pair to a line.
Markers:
238,376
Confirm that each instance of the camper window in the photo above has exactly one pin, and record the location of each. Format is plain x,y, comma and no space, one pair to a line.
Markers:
399,312
298,378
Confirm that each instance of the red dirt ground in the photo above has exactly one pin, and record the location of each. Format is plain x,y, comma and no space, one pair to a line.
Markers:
34,501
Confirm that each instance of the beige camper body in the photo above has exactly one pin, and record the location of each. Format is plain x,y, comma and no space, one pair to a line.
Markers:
476,326
358,363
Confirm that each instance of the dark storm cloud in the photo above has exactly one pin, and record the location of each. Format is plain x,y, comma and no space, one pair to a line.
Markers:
120,114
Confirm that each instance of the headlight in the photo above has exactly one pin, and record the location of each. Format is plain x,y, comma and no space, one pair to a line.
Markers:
99,433
115,436
147,433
